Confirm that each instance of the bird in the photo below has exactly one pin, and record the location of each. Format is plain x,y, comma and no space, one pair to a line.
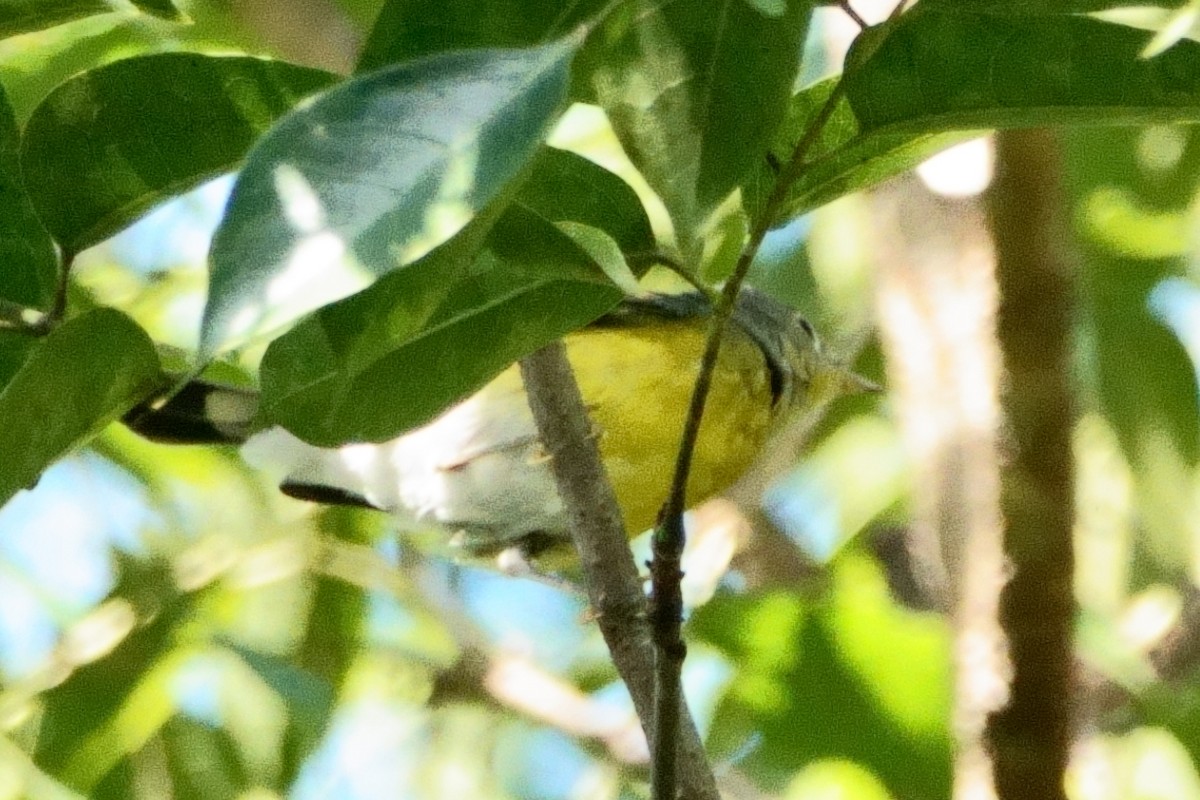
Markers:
479,470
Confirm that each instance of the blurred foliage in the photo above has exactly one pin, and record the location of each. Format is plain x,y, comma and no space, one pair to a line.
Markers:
170,626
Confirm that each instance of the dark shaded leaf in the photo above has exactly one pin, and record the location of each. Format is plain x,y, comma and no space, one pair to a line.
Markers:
109,144
163,9
386,360
843,159
941,71
695,90
14,349
85,374
564,186
372,175
28,263
407,29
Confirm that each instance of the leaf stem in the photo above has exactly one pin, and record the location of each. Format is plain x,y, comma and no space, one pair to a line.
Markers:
35,322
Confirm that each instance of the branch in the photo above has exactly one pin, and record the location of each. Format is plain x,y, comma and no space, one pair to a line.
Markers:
1030,738
610,575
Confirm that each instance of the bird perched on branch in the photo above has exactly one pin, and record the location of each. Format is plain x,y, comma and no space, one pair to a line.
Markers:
479,468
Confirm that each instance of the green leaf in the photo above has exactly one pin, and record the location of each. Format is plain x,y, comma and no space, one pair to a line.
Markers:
334,632
605,252
408,29
30,265
163,9
308,697
372,175
1176,25
203,762
770,8
940,71
81,736
819,680
109,144
26,16
1040,8
15,347
835,778
843,159
386,360
695,90
1146,382
85,374
926,88
566,187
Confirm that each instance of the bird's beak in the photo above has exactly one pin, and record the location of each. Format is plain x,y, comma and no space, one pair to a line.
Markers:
853,383
831,382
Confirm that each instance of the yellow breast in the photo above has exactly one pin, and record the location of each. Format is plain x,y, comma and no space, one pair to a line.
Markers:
637,383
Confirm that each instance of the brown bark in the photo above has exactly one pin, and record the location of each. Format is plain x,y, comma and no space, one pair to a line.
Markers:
610,575
1029,739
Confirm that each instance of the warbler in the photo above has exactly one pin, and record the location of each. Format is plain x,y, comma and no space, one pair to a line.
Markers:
479,469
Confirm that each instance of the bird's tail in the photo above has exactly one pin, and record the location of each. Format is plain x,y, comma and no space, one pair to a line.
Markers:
200,413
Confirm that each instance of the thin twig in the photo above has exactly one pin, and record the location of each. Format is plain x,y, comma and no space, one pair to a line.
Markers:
666,608
610,575
852,14
58,309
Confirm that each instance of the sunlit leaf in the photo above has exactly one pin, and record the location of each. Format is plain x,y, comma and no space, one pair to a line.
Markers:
940,76
605,252
1147,386
77,740
1179,23
835,779
109,144
85,374
695,90
770,8
819,680
372,175
309,699
26,16
201,762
